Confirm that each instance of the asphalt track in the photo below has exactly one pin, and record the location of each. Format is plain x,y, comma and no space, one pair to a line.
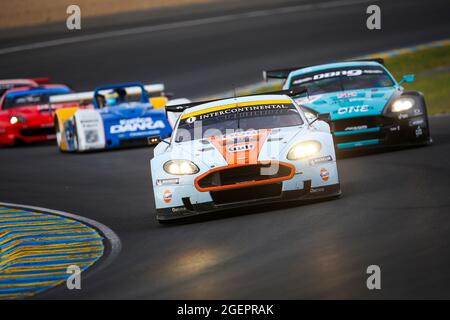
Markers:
395,206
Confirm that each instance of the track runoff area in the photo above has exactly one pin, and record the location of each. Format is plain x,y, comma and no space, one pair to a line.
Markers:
42,248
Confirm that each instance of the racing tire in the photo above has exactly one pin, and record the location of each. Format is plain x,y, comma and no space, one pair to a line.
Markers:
75,135
58,134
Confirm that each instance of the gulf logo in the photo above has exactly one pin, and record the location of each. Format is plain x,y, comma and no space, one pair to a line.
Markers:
167,196
324,174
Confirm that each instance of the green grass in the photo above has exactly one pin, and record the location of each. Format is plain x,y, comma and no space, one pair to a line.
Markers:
432,70
418,61
268,88
431,67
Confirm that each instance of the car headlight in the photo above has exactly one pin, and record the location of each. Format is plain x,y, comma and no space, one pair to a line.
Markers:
16,119
402,104
303,150
180,167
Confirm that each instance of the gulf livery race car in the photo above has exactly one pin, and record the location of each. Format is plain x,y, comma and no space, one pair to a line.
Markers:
113,116
242,151
25,114
368,107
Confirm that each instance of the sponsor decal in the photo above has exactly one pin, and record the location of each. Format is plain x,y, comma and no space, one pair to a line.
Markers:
321,160
85,122
402,116
179,209
243,109
419,131
324,174
145,133
337,73
397,128
310,99
29,100
361,127
315,190
44,107
162,182
167,196
346,95
416,122
191,120
241,147
233,109
356,109
91,136
136,124
239,136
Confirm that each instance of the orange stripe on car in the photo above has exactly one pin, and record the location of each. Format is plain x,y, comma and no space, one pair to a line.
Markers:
240,147
243,184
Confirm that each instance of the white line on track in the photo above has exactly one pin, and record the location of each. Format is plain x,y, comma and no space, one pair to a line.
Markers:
181,24
111,236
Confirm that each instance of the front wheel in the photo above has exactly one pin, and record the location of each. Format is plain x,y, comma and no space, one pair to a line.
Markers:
58,135
76,143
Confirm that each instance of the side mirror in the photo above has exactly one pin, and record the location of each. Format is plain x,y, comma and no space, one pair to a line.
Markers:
408,78
324,117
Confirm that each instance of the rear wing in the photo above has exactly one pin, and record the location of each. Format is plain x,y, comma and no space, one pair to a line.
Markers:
279,73
378,60
88,96
41,80
284,73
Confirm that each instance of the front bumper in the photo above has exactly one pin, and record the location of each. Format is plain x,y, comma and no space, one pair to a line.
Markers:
307,193
183,199
27,134
380,131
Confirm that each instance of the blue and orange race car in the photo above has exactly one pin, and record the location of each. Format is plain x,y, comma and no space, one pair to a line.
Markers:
367,106
113,116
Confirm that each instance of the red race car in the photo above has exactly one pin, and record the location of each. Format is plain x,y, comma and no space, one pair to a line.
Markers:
26,115
7,84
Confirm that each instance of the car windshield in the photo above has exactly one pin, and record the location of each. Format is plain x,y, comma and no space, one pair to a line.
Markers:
341,79
117,96
21,101
236,119
6,87
17,100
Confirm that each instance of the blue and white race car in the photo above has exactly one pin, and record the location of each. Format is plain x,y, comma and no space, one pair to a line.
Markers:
242,151
367,106
112,116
